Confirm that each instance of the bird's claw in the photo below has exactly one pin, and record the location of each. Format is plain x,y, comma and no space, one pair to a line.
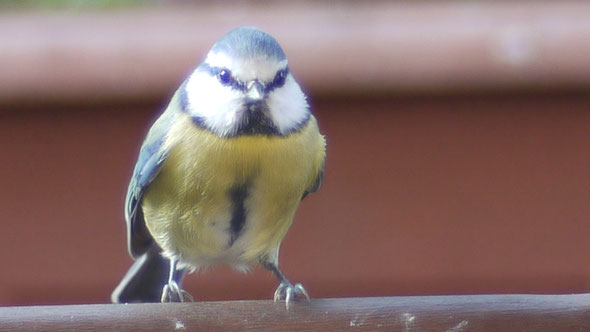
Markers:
173,293
287,291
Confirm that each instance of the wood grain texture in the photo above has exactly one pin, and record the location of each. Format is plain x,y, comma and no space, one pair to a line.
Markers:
431,313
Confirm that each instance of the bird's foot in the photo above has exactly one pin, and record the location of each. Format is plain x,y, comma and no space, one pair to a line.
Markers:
288,292
173,293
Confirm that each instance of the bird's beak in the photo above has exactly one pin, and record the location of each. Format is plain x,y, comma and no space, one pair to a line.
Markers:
255,91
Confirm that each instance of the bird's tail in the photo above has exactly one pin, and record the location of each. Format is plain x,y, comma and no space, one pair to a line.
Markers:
145,279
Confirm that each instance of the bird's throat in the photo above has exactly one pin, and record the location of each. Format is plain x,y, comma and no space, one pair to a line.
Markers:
257,121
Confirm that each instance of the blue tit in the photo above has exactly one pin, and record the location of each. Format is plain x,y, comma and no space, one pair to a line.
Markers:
222,171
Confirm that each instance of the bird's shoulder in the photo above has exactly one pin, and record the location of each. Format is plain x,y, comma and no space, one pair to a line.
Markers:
152,155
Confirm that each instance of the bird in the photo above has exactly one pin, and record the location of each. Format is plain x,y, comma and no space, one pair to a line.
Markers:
222,172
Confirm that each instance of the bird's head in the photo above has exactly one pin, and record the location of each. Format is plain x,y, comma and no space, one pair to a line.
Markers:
244,87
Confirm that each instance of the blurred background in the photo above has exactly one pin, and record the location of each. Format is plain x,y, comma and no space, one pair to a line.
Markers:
458,137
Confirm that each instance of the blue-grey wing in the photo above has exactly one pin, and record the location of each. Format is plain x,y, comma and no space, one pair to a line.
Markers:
152,155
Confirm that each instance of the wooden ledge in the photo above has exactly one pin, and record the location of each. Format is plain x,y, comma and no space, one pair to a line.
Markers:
416,313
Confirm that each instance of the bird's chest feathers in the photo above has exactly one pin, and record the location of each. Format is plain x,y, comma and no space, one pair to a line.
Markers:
199,159
216,194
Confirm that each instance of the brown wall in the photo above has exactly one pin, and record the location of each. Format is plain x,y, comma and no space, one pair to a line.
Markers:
457,144
422,195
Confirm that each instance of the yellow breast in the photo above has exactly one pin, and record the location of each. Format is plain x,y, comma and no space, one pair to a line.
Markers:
188,207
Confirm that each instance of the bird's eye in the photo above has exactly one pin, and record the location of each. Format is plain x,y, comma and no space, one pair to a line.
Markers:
280,77
224,76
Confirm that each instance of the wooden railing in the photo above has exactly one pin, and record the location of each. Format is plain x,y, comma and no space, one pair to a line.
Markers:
419,313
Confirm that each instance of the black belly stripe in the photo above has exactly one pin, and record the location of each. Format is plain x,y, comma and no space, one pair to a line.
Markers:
237,196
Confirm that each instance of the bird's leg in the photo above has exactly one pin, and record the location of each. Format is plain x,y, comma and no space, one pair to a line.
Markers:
172,291
286,290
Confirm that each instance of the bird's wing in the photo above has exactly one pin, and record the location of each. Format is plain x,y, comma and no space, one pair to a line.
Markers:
317,183
152,155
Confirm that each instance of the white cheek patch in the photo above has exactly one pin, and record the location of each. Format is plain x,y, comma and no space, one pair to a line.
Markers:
218,106
288,106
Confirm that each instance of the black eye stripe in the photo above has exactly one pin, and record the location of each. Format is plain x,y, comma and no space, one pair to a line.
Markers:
225,76
277,81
